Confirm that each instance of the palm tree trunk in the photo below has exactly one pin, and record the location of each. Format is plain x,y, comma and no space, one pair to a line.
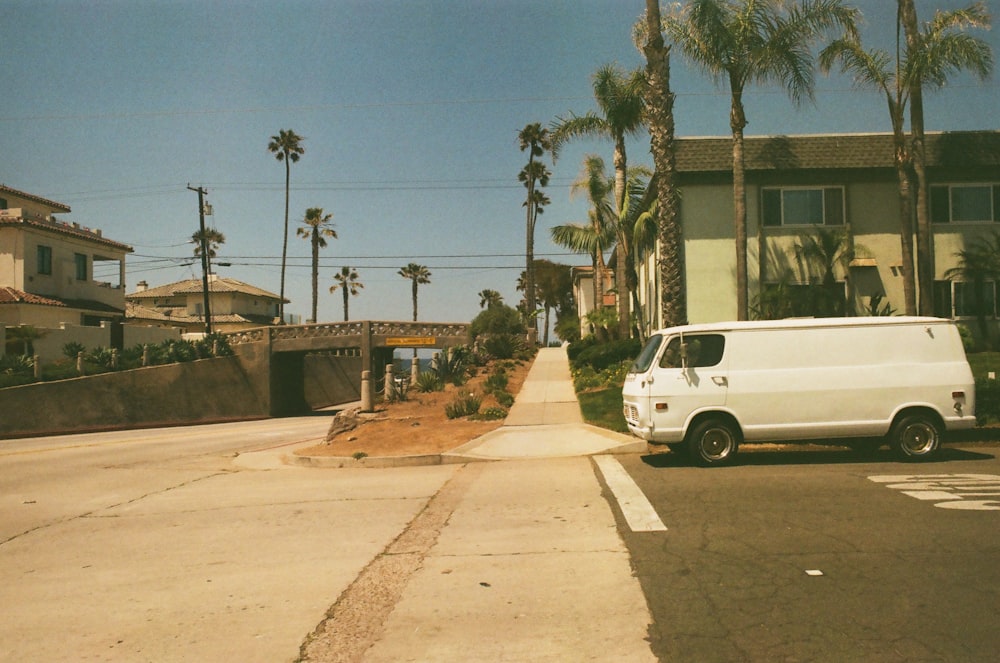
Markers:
346,294
529,254
901,158
925,247
284,244
660,113
315,271
737,121
621,251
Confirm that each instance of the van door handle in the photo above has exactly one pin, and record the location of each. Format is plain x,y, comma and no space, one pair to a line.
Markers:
720,380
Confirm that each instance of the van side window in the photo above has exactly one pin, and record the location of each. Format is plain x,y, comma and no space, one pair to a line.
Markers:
703,350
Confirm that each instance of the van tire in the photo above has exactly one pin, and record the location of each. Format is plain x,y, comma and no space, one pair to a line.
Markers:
915,437
713,441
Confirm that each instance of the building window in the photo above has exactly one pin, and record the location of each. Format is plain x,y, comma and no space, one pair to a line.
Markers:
962,299
803,206
965,203
3,203
80,261
44,254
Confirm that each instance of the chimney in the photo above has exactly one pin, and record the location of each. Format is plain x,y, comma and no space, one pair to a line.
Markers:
141,286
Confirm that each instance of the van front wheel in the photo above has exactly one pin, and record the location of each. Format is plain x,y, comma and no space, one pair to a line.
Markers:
713,442
915,437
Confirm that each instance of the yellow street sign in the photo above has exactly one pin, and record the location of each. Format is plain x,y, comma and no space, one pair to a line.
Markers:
410,341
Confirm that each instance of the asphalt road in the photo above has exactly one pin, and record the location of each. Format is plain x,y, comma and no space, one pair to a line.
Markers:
821,556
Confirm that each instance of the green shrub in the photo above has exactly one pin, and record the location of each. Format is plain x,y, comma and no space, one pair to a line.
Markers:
504,398
497,320
603,355
503,346
497,381
465,404
72,349
490,414
987,401
428,381
453,365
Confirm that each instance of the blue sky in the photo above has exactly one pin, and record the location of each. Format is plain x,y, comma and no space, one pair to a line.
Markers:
410,112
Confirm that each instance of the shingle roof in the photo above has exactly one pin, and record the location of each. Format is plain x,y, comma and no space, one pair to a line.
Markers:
194,286
10,295
843,151
179,316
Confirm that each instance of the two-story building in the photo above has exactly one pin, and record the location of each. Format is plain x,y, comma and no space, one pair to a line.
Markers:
234,305
52,272
843,186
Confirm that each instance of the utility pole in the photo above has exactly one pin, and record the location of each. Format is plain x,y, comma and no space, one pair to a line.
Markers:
204,255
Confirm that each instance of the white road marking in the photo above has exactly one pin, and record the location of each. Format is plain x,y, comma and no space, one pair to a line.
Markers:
948,491
639,513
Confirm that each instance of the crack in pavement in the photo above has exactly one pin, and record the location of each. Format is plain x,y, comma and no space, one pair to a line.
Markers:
357,619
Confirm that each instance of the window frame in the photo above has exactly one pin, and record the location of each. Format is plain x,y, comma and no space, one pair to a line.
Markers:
43,259
81,267
942,211
956,301
767,206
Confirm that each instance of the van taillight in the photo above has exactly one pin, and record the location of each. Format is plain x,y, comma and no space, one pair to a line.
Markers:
958,394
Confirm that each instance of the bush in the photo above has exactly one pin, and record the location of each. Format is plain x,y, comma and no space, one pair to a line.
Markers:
500,320
987,401
72,349
453,365
503,346
491,414
504,398
497,381
603,355
465,404
428,381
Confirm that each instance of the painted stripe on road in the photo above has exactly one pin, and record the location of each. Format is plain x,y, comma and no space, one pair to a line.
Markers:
639,513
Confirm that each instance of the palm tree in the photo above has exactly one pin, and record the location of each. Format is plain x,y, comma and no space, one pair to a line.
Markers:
286,146
979,264
316,227
753,41
939,49
212,238
489,298
419,275
660,120
347,281
535,140
619,97
825,252
555,289
597,236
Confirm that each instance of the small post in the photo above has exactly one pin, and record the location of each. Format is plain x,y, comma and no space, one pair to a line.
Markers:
37,365
114,359
79,362
414,371
390,384
145,355
366,391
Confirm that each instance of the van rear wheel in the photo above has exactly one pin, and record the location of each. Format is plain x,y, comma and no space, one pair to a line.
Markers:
915,437
713,442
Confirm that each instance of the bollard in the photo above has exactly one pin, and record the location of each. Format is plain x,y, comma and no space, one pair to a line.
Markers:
414,371
37,366
390,384
114,359
79,363
145,355
366,391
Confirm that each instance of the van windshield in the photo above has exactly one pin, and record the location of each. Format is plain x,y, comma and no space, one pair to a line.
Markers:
645,358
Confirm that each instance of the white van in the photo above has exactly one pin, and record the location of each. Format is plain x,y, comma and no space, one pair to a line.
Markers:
707,388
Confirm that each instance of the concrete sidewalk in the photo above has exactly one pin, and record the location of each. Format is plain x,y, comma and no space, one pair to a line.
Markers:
545,420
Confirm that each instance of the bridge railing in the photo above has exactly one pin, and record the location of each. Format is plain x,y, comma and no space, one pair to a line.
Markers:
353,328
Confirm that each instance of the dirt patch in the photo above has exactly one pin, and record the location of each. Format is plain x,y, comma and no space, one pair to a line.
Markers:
419,424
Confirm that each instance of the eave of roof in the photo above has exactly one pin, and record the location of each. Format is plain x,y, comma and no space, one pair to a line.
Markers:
58,207
834,151
10,295
194,287
62,228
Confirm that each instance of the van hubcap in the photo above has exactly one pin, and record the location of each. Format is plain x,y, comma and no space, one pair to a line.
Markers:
918,438
716,443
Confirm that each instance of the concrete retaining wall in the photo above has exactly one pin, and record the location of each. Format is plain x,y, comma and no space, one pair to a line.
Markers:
209,390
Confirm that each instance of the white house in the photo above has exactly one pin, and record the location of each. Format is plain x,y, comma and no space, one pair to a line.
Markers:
234,305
